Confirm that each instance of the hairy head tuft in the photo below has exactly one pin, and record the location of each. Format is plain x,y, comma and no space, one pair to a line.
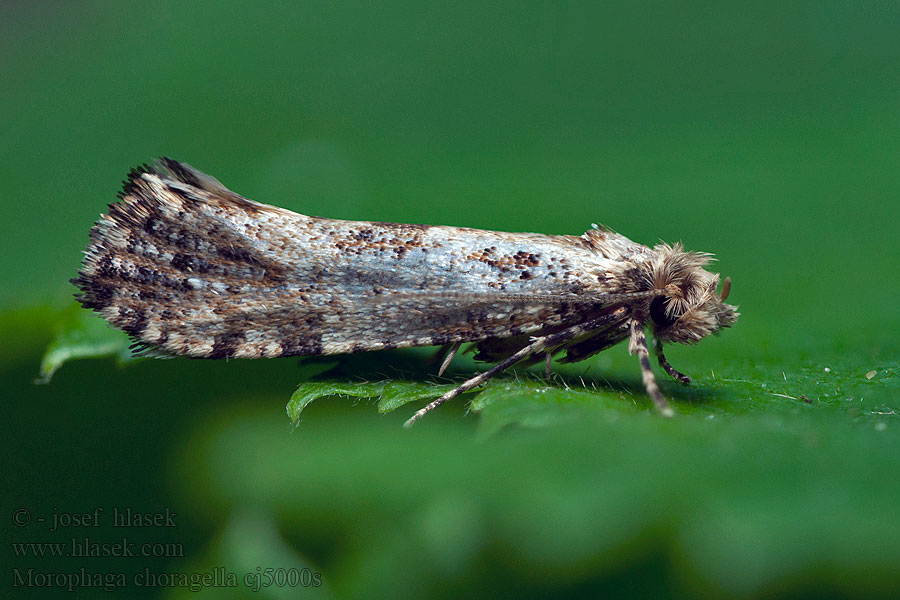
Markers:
691,309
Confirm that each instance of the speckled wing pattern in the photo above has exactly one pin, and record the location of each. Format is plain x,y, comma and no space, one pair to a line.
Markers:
188,267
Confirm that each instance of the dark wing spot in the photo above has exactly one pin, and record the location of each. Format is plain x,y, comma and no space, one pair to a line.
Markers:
226,344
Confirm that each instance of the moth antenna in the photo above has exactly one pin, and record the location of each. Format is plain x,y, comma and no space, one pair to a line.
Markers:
628,297
726,288
449,358
538,345
638,345
623,298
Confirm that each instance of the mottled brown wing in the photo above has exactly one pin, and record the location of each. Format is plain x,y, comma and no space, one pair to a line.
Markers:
187,266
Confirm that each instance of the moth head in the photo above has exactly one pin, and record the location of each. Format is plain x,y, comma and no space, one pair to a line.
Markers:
688,307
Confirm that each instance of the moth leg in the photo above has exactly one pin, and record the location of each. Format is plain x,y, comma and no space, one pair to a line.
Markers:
536,346
638,345
447,359
547,365
661,359
474,382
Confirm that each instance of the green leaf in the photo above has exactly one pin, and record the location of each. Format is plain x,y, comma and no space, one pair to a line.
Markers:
399,393
82,334
525,399
536,403
308,391
391,394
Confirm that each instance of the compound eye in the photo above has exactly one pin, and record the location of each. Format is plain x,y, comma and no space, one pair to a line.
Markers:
658,313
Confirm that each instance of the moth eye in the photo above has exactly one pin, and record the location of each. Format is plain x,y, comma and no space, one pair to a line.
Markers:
658,313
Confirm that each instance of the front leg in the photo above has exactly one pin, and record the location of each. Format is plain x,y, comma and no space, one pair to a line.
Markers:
661,358
637,344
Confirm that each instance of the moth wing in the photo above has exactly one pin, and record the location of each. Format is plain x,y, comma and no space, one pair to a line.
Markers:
187,266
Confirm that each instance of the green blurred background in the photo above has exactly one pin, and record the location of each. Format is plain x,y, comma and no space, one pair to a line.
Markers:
766,133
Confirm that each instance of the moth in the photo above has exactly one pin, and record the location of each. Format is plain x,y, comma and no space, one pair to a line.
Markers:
188,267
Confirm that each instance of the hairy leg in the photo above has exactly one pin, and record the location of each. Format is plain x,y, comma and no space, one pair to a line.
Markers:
547,342
661,359
447,359
638,345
